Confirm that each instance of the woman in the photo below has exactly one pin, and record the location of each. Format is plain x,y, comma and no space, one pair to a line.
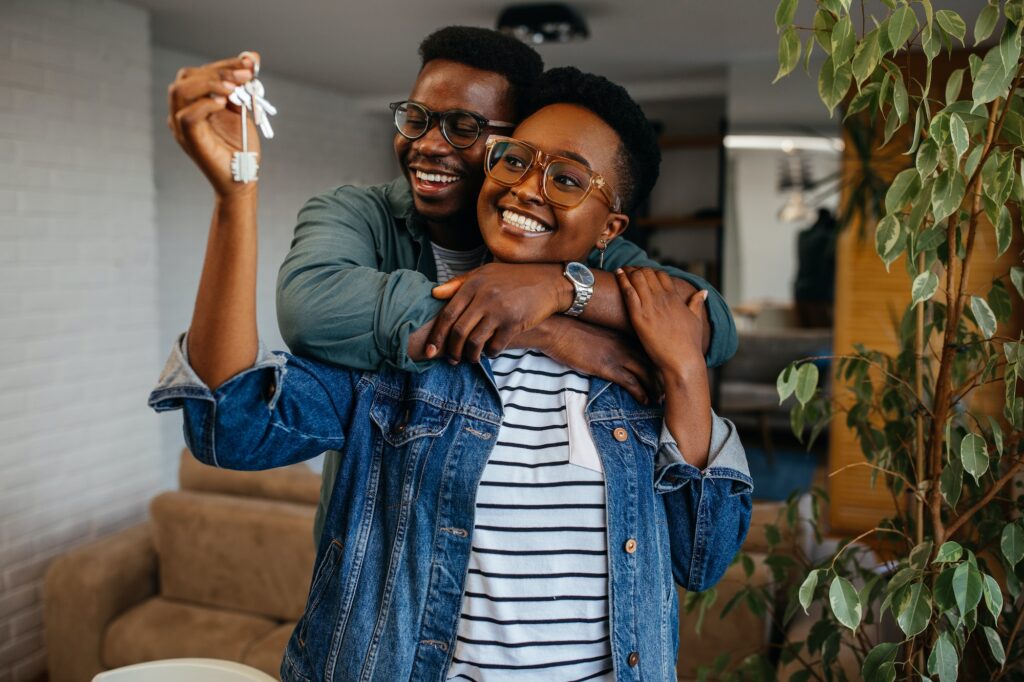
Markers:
511,519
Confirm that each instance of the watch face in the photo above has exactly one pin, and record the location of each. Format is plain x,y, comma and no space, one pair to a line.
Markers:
579,272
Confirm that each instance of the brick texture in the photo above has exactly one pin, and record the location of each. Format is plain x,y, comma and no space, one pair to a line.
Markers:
102,227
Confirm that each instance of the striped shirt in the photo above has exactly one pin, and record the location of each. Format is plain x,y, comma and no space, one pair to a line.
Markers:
454,263
535,605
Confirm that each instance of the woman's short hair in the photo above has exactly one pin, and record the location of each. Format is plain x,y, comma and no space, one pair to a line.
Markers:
639,154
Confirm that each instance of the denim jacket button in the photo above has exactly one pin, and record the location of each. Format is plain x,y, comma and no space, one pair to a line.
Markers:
621,434
633,659
630,546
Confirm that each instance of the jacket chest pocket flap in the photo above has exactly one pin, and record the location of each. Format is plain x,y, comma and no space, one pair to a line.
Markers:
404,420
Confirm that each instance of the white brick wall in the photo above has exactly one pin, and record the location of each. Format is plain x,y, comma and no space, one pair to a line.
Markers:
79,451
102,227
321,140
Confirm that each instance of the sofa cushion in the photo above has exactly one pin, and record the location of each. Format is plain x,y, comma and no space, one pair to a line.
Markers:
266,652
239,553
160,628
296,483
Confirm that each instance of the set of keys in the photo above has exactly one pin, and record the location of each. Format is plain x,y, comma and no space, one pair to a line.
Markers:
251,96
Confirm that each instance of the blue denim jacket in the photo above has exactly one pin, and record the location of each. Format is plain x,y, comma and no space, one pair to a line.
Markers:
387,586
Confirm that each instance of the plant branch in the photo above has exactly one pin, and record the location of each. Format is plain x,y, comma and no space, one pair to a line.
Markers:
957,523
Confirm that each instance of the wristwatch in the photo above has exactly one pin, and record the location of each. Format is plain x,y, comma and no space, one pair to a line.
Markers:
582,280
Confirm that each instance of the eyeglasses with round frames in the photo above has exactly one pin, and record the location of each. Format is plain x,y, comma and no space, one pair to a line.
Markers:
459,127
566,183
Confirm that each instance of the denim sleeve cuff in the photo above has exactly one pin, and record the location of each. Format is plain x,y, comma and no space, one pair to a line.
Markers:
179,382
726,460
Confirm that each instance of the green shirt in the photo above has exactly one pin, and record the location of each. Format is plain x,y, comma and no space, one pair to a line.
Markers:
357,280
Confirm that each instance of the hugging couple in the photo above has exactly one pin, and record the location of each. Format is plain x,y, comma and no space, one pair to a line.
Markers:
523,460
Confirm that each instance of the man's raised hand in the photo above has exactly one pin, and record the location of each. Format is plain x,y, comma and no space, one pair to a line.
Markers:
206,126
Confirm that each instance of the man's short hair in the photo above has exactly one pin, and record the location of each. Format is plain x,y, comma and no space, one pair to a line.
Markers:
639,154
487,50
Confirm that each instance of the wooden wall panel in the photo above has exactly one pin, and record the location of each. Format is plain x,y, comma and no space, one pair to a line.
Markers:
869,303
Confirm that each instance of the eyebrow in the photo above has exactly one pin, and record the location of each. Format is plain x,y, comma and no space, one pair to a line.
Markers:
574,156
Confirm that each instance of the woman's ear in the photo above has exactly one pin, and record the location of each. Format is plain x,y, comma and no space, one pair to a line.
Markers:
615,225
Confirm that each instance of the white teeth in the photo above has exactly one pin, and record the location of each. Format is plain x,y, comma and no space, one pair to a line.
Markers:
522,222
435,177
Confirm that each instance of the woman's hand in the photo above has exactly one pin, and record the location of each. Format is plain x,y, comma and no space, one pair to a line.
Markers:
669,327
206,126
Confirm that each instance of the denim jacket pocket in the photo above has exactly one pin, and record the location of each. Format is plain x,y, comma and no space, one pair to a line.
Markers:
403,420
321,578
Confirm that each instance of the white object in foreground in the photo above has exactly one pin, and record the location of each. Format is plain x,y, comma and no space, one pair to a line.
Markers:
179,669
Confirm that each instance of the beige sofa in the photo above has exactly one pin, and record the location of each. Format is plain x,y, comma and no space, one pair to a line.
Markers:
222,569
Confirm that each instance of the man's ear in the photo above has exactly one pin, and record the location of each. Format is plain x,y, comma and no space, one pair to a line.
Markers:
615,225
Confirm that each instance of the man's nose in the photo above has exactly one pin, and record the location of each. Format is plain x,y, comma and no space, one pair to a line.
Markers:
432,143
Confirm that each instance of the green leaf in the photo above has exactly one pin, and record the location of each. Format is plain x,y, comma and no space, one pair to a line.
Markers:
993,596
1017,277
927,158
951,482
785,12
843,41
973,158
917,560
1009,48
986,23
992,78
952,24
903,188
902,24
878,664
943,660
958,132
889,242
995,645
806,382
949,552
924,287
789,52
785,384
867,57
997,178
807,587
974,455
833,83
943,591
823,23
954,85
900,99
930,43
914,610
1004,230
1012,543
984,316
966,587
948,193
845,603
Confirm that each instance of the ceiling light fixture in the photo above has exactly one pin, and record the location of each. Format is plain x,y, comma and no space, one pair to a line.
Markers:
784,143
543,22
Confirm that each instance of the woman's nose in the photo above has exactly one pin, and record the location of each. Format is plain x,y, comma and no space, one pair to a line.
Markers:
529,190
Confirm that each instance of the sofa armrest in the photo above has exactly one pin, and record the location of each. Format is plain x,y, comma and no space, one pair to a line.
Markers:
87,588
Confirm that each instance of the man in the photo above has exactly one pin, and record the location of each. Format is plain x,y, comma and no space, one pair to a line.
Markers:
357,288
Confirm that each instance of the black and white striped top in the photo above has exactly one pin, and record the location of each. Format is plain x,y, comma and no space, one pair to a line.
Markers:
536,598
454,263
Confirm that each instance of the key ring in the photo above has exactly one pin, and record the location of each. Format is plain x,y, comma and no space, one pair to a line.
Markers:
244,164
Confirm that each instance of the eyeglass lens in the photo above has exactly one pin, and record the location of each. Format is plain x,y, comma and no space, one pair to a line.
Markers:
565,184
459,128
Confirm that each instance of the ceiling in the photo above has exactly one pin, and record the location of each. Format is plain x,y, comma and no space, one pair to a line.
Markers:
670,47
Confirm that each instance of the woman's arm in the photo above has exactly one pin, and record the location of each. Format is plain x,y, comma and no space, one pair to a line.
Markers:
222,339
671,329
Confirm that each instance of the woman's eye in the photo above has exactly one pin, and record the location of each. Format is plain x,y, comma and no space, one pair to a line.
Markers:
568,180
514,162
